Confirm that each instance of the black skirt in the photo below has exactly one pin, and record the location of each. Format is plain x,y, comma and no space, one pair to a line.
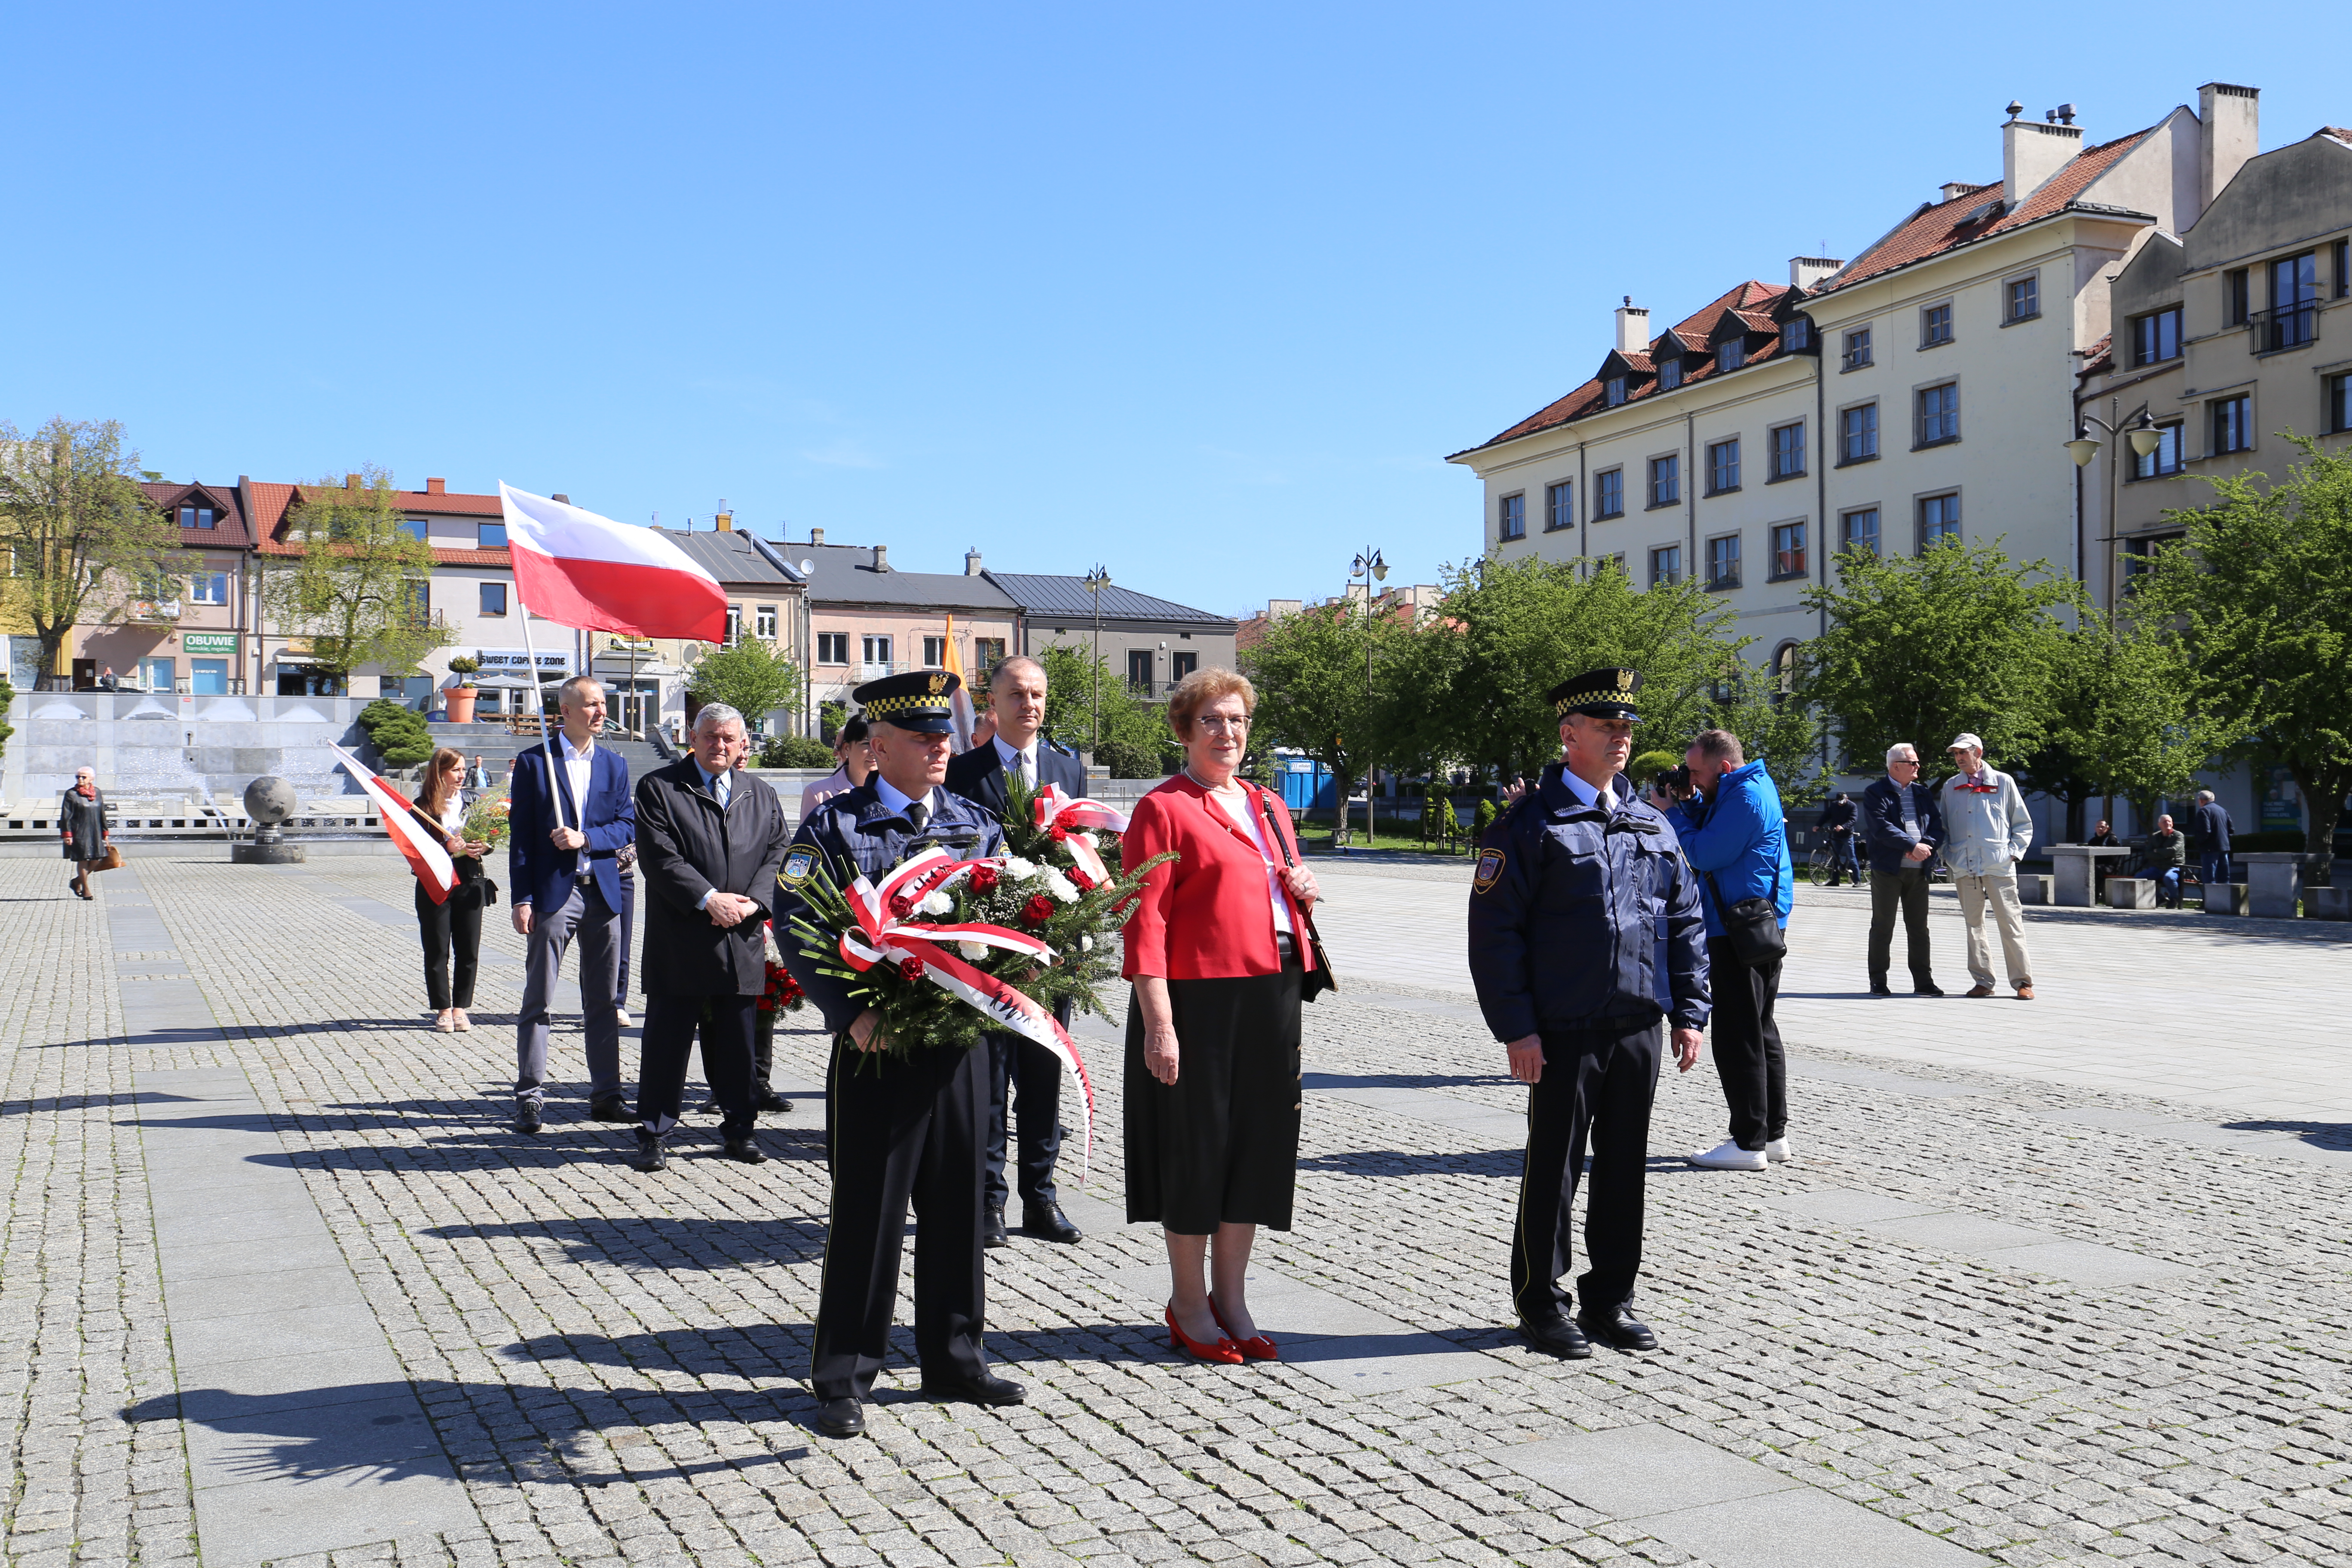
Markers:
1220,1145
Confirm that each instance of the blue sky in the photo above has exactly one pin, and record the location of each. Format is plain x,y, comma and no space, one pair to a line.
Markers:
1205,293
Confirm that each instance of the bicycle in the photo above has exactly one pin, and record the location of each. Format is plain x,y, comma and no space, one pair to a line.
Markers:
1827,858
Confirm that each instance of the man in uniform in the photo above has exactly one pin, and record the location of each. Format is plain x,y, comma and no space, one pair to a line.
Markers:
1570,887
907,1123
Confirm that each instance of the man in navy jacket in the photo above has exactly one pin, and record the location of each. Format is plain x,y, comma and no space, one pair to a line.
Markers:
1903,827
1734,837
567,886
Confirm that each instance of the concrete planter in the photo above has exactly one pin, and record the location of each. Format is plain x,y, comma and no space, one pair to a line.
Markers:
2035,890
2131,892
2225,898
2327,903
2273,885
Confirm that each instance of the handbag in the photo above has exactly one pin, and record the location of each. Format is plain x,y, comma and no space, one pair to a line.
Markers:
1319,979
112,860
1752,927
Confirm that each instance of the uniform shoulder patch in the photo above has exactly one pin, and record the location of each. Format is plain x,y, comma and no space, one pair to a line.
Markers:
1490,866
799,861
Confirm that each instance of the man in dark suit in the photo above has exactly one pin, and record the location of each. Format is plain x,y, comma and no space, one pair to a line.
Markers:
1017,697
903,1125
566,830
1903,827
710,842
2210,832
1837,822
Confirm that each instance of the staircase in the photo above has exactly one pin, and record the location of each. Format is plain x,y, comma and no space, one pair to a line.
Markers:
497,748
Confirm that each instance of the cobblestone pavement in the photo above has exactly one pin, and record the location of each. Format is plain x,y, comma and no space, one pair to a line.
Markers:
1986,1316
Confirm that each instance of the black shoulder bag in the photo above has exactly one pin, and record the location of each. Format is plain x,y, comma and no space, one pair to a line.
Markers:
1752,926
1319,979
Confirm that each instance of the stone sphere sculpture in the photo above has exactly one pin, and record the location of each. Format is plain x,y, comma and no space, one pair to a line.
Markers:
270,800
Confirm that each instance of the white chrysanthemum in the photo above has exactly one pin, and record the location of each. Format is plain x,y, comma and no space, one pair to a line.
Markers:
1085,944
1018,868
1061,886
973,952
938,904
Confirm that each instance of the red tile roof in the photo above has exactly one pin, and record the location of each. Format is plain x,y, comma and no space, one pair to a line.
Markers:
1938,226
272,502
1750,301
229,531
445,557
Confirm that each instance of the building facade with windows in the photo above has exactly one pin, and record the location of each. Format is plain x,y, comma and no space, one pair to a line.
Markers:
188,630
867,619
766,600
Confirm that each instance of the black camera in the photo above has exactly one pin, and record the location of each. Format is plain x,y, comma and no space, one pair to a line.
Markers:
1673,781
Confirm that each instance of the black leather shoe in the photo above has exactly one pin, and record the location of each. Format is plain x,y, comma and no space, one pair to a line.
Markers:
650,1156
747,1151
1930,989
1557,1336
1881,991
843,1418
769,1100
526,1117
991,1227
1617,1327
1046,1222
610,1108
981,1388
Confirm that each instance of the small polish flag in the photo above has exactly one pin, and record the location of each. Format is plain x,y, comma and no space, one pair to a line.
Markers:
592,573
426,855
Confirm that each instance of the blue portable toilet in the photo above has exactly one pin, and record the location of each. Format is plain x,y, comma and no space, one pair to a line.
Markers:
1307,784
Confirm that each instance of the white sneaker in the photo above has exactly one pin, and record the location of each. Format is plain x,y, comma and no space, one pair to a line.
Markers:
1777,1152
1729,1156
621,1016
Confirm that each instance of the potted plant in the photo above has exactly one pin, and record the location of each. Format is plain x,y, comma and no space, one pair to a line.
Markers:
465,694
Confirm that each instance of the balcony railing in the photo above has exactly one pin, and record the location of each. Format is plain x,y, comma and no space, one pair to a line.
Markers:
2285,326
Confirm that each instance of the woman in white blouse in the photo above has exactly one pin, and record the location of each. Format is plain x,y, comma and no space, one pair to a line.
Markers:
458,922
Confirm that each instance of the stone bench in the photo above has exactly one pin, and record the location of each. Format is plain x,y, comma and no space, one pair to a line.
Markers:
2131,892
2327,903
2035,890
2225,898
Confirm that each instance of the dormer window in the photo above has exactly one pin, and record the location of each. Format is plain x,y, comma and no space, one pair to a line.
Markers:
1731,355
1797,336
1670,374
196,517
1613,391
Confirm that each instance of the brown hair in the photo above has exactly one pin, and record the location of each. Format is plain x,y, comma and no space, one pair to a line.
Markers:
1200,688
428,795
1720,745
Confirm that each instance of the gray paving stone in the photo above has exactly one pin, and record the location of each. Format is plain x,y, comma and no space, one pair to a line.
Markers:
1802,1528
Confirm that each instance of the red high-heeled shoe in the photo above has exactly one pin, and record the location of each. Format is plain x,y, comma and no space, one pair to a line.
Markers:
1257,1347
1225,1353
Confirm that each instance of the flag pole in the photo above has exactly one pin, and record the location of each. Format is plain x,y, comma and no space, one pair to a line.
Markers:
540,707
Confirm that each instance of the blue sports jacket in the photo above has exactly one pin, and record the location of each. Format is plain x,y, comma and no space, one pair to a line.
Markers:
1738,837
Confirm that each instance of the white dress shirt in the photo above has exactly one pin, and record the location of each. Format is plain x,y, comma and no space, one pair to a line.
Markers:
577,766
899,800
1017,762
1586,796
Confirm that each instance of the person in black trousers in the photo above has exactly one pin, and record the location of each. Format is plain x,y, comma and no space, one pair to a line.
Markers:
453,926
1837,821
1019,1068
1903,827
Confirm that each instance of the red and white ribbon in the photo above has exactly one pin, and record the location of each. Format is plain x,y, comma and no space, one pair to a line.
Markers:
884,936
1052,808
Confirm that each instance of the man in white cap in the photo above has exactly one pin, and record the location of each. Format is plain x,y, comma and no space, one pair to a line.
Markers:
1986,831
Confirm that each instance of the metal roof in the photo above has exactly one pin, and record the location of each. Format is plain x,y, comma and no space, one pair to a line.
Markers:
844,575
731,556
1056,597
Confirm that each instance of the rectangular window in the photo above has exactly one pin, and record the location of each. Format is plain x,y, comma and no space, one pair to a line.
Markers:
2237,300
1670,372
158,674
987,653
875,649
1511,518
1939,415
414,527
935,652
208,588
2339,402
1787,550
833,648
420,598
1615,562
2022,299
1665,565
1723,563
2156,337
493,599
1862,530
1180,665
2165,459
2140,555
1723,467
489,536
1858,433
1789,452
1609,493
208,677
1857,349
1559,507
2293,316
1138,671
2233,425
196,517
1731,355
1796,334
766,622
734,624
1935,325
1666,481
2343,269
1612,391
1940,519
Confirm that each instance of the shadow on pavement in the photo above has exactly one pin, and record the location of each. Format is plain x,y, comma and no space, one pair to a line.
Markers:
692,1245
2319,1134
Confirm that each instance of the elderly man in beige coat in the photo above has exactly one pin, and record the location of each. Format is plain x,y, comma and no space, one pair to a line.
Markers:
1986,831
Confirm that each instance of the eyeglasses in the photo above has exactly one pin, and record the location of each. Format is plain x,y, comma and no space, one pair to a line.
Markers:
1218,724
1904,762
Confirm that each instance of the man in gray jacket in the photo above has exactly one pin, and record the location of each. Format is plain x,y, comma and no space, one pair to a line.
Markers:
1986,831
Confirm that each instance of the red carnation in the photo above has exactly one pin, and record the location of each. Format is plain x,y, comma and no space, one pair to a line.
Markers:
901,906
984,877
1058,834
910,969
1086,883
1038,910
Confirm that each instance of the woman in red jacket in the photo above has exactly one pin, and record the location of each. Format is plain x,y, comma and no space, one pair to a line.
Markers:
1215,949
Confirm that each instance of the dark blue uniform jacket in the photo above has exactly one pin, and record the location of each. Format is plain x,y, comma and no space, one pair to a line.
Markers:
855,835
1565,912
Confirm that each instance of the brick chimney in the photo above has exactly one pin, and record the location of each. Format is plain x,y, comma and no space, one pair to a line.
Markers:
726,520
436,486
881,558
2233,117
816,536
351,482
1804,271
1633,327
2031,152
971,562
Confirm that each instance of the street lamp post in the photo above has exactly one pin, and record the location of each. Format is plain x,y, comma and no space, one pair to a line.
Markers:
1369,565
2144,437
1096,582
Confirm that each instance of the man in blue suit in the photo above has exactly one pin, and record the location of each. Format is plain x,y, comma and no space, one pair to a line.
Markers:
567,885
1017,1065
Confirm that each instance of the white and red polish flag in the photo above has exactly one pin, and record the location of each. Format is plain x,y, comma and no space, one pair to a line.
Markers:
426,856
592,573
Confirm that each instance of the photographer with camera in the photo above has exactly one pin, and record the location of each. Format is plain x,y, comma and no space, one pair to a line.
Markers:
1726,811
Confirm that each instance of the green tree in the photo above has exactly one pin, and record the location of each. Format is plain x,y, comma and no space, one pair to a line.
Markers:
356,589
2260,595
1134,741
750,675
77,533
1316,690
1959,638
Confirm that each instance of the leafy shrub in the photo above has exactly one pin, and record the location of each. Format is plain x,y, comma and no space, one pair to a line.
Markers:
7,695
796,751
1485,816
397,732
1129,760
1649,765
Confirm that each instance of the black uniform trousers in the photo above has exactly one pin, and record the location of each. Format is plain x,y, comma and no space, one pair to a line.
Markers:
1597,1083
1906,890
727,1025
1024,1089
443,926
1747,1042
901,1128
